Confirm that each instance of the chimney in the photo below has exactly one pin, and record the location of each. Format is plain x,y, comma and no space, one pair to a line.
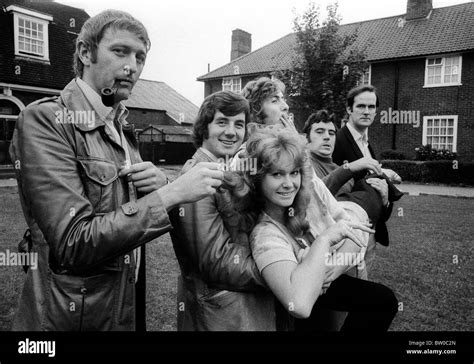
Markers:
417,9
241,43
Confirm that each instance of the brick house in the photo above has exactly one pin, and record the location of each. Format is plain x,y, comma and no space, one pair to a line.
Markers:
37,45
421,62
37,40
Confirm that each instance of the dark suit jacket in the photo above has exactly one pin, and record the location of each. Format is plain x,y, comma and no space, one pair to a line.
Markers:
346,149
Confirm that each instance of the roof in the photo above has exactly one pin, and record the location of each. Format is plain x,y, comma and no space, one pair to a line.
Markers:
156,95
166,129
446,30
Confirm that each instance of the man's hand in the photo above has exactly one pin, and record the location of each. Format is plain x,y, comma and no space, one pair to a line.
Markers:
366,163
145,176
200,181
287,122
381,186
392,175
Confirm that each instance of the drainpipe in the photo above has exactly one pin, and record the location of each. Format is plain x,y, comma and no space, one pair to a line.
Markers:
395,103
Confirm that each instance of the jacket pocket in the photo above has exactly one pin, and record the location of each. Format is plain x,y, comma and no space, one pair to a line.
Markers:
218,298
99,176
81,304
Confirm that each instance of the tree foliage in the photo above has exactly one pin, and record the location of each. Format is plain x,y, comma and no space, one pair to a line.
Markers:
326,65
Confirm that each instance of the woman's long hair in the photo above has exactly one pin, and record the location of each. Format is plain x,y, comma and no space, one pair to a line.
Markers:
266,145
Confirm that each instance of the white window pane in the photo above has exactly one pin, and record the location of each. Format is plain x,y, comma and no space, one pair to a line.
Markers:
21,30
437,71
21,22
33,26
21,45
40,49
454,78
429,131
27,24
40,27
40,35
429,140
436,122
437,79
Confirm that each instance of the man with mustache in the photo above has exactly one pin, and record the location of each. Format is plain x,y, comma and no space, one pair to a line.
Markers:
89,200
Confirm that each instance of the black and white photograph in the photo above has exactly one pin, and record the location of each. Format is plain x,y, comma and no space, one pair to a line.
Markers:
246,176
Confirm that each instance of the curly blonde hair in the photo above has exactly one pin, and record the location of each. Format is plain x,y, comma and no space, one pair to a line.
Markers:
267,145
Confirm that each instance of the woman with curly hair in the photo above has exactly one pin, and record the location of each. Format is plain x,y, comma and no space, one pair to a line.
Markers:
297,225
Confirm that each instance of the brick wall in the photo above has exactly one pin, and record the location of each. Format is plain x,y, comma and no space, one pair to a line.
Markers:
451,100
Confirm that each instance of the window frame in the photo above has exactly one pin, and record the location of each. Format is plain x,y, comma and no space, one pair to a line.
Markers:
361,80
225,81
439,117
29,15
443,66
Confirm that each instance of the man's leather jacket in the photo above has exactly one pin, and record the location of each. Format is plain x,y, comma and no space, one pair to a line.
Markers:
83,226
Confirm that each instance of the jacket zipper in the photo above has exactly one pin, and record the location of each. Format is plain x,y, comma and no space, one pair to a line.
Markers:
83,292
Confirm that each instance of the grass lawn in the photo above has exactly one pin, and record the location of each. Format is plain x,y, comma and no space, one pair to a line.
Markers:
428,264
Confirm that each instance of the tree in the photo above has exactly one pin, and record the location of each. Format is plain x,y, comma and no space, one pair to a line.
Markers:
327,63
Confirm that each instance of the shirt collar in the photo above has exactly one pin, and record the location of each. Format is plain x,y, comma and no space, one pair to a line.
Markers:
209,154
364,137
104,112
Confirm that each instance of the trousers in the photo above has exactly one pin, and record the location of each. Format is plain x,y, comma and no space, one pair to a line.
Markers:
371,306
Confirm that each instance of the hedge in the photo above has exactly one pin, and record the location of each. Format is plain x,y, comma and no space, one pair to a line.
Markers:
442,171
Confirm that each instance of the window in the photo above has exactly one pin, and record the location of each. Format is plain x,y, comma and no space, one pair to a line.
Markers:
232,84
365,79
440,132
443,71
31,33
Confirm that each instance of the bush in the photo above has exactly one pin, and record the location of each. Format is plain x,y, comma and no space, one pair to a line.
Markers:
440,171
392,154
427,153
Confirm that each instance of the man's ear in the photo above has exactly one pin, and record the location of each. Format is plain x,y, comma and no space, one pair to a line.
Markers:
84,53
348,110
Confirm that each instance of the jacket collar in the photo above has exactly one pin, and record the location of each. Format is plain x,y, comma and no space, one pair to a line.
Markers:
350,138
203,155
74,99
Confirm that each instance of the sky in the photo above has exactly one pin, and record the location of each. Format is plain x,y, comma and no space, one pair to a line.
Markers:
188,35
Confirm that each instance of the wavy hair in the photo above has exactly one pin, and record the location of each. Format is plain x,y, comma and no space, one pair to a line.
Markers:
317,117
227,102
257,91
267,145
